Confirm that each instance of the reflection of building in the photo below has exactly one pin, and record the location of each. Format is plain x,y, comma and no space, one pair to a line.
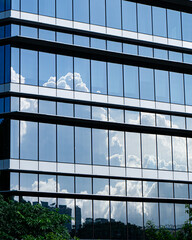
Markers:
96,113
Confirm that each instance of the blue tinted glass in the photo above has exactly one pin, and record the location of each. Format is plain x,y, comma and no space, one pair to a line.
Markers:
81,10
146,84
113,13
64,72
98,77
47,7
65,144
129,16
98,43
159,22
82,74
187,58
65,185
83,185
186,26
29,6
15,4
2,65
1,105
130,49
15,77
115,79
188,89
15,30
82,111
7,104
64,38
14,139
8,30
97,12
81,41
131,84
116,115
1,32
2,5
28,32
28,182
145,51
176,85
174,24
175,56
47,145
7,4
7,63
144,19
160,53
65,109
162,86
64,9
29,67
46,35
114,46
47,107
47,74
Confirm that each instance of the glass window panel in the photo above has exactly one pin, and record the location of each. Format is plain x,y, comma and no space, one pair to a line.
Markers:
189,148
81,10
14,181
162,86
115,79
46,35
81,41
117,187
178,122
164,152
165,190
83,145
98,43
47,76
6,31
14,104
100,186
99,113
2,109
8,65
28,140
64,37
28,105
129,16
181,190
160,53
167,215
147,119
15,30
188,89
116,115
118,220
151,213
190,191
2,5
100,146
145,51
15,77
2,65
82,111
83,185
64,9
82,74
129,49
32,200
47,183
159,21
114,46
131,83
144,18
97,12
187,58
180,215
7,104
189,123
149,151
175,56
179,154
98,77
113,13
65,144
116,148
47,107
84,219
163,120
49,203
186,26
29,6
146,84
134,188
47,7
47,146
65,184
14,139
28,182
15,5
174,24
65,109
133,150
132,117
28,32
176,85
65,72
150,189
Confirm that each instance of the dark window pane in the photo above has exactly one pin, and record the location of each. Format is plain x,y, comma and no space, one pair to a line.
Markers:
81,10
64,9
97,12
113,13
2,65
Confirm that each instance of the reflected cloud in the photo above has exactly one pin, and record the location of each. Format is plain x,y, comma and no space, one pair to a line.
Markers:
16,77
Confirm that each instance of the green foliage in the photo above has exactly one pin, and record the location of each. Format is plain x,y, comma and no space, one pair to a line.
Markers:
24,221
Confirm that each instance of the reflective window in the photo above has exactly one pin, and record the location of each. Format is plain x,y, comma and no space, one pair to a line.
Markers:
134,188
2,65
180,215
188,89
82,111
162,86
176,85
145,51
189,123
100,186
149,151
174,24
29,140
97,12
164,152
2,5
116,115
163,120
100,146
48,202
179,153
65,184
117,187
29,6
147,119
129,16
47,74
131,83
113,13
14,181
187,58
65,72
65,109
15,77
81,41
83,185
175,56
14,148
189,148
64,9
28,182
81,10
160,53
82,74
83,145
133,150
146,84
64,38
150,189
98,77
115,79
165,190
28,105
167,215
178,122
47,183
186,26
99,113
47,107
130,49
28,32
181,190
132,117
47,146
65,144
15,5
46,35
151,213
159,21
114,46
98,43
47,7
144,19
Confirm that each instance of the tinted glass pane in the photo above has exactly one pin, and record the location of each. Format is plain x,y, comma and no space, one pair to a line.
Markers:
116,115
113,13
8,65
81,41
187,58
14,181
100,186
189,148
178,122
147,119
81,10
46,35
131,84
130,49
134,188
189,123
28,182
144,19
82,111
29,6
175,56
14,139
159,22
117,187
165,190
151,213
114,46
132,117
160,53
2,5
115,79
181,190
186,26
47,183
98,43
188,89
15,77
65,109
2,73
28,32
47,107
15,4
180,215
163,120
145,51
64,37
150,189
47,7
149,151
162,86
176,85
83,185
164,152
174,24
129,16
64,9
97,12
146,84
99,113
179,154
65,184
167,215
